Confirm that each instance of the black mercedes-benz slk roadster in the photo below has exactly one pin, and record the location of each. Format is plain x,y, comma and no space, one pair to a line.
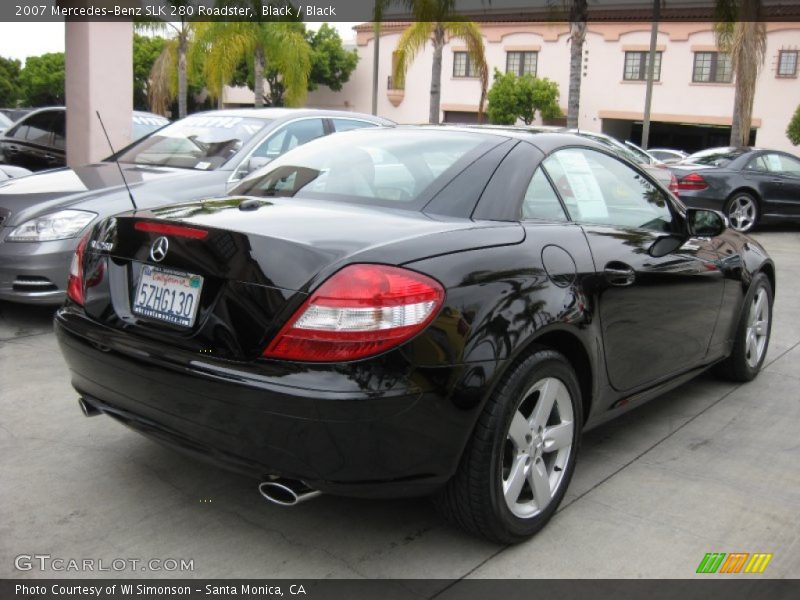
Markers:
415,311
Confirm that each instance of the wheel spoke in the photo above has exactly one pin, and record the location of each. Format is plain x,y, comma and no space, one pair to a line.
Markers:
540,484
750,344
544,406
512,487
760,327
519,431
558,437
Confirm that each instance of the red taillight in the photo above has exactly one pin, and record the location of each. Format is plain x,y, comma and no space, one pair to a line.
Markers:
75,281
673,185
361,311
692,181
175,230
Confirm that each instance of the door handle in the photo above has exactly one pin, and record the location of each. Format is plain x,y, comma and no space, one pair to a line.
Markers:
778,181
11,149
619,274
49,157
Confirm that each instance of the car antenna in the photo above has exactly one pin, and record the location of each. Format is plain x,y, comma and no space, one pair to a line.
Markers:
116,161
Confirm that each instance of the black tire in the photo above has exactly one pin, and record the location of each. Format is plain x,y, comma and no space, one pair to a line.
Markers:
473,499
738,367
742,224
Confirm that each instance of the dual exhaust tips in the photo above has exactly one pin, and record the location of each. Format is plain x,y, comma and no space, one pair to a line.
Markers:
283,492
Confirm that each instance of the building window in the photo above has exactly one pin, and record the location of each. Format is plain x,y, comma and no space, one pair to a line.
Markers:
712,67
522,63
787,63
463,65
636,64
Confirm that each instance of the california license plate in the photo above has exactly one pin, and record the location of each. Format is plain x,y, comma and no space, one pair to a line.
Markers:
168,295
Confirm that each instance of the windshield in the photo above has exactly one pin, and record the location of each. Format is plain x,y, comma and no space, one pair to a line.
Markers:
144,124
5,122
718,157
368,166
201,142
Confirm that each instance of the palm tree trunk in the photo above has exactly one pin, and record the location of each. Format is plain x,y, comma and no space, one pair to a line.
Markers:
577,36
746,63
258,77
182,85
436,74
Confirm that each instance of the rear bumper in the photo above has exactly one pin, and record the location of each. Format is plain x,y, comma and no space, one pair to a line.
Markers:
338,435
700,200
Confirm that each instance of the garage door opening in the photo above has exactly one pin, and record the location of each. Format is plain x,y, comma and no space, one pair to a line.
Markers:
681,136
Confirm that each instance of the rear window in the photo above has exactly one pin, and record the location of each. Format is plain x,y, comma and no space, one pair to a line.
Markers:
382,167
717,157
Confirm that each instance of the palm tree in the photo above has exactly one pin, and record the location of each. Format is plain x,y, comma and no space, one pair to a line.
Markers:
168,77
434,20
578,10
741,32
279,44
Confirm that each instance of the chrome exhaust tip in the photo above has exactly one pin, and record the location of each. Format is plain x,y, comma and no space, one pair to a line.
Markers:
88,410
285,492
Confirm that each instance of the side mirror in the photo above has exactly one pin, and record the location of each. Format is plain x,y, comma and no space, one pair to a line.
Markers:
705,223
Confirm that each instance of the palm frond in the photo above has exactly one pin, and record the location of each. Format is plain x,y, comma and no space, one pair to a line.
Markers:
412,40
288,52
163,87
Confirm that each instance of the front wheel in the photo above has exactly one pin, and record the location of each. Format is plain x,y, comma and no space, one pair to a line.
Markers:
742,212
519,462
752,333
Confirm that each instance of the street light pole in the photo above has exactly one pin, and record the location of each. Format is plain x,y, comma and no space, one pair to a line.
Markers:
651,69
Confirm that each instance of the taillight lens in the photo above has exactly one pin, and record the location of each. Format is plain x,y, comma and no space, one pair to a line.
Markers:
673,185
360,311
692,181
75,285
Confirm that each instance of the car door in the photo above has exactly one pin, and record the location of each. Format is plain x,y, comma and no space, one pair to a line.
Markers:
784,175
658,291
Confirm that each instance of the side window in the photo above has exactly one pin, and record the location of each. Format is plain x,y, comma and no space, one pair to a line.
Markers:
348,124
597,188
778,163
541,201
40,129
757,164
292,135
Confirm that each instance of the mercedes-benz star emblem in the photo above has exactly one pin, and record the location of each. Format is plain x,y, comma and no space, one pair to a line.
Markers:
159,249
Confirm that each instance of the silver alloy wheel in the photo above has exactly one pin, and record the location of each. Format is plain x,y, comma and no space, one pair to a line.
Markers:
537,447
757,328
742,213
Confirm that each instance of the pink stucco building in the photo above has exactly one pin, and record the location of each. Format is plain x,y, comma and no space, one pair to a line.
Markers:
692,99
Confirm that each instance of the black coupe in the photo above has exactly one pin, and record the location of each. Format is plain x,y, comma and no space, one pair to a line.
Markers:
750,185
410,312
